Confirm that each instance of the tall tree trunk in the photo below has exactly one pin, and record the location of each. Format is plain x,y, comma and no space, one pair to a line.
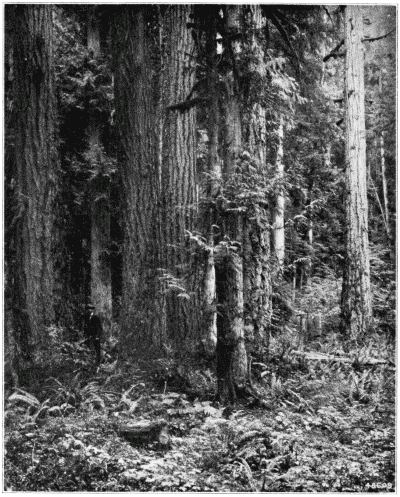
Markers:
210,184
383,174
229,271
100,200
356,293
178,176
34,177
385,189
138,156
256,244
279,213
257,121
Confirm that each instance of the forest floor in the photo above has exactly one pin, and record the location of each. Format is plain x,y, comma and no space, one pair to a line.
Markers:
323,426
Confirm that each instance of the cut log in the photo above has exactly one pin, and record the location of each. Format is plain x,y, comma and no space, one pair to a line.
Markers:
319,356
147,432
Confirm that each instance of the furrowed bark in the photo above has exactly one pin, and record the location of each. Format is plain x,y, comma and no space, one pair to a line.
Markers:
256,232
137,157
178,175
356,293
32,269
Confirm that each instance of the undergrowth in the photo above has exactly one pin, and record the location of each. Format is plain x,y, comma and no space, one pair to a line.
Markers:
322,426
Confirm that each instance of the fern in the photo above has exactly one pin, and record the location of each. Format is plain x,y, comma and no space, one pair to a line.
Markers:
25,397
198,408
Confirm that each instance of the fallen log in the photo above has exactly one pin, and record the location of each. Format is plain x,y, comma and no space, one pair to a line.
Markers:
319,356
146,432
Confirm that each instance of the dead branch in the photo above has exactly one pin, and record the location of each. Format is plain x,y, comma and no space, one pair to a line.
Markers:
319,356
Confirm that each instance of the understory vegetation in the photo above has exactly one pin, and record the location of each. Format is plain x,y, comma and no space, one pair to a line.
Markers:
323,424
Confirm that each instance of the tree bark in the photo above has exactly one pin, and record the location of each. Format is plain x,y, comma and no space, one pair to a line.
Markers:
356,292
229,272
34,177
387,222
178,176
138,162
256,242
210,185
279,213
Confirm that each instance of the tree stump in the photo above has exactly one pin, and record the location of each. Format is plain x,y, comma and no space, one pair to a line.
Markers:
147,432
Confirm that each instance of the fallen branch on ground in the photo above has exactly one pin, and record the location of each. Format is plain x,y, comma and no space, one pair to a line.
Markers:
319,356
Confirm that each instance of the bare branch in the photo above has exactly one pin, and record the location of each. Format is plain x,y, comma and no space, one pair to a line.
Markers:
334,52
379,37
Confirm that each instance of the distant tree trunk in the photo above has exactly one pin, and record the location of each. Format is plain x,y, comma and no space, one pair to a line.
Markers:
356,293
384,178
100,200
33,177
178,176
385,188
306,265
229,271
211,185
279,214
138,159
257,130
256,232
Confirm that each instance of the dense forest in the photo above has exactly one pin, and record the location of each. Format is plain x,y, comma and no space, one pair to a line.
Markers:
199,270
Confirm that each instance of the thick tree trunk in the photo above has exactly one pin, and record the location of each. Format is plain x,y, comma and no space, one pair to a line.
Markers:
178,176
229,271
136,125
356,293
34,177
231,355
256,232
257,277
101,295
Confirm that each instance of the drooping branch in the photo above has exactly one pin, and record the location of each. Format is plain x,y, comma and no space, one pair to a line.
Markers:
188,104
335,52
379,37
274,19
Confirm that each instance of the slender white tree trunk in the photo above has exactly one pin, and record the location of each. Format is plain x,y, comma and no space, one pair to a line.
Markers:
384,184
279,214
